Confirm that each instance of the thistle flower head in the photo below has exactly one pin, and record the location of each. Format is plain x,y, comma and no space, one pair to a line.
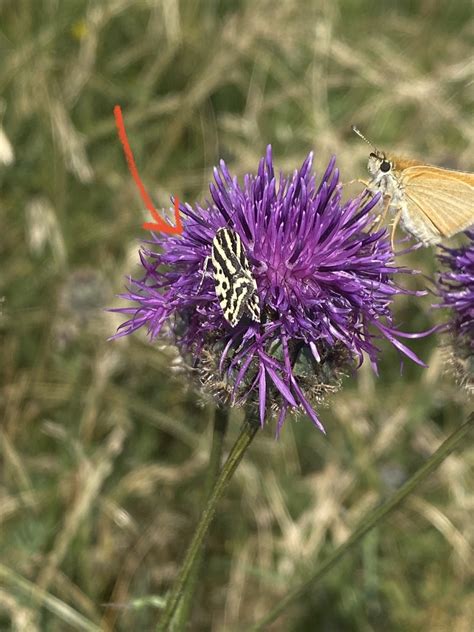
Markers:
456,288
324,285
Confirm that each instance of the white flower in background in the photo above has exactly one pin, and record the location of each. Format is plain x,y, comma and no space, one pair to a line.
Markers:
70,142
7,155
43,228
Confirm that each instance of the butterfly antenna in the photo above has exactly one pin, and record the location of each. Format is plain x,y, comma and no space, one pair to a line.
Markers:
359,133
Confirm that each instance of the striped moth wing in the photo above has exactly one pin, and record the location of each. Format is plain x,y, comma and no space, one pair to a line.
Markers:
235,285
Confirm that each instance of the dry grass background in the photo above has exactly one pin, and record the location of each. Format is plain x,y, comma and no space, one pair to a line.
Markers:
103,447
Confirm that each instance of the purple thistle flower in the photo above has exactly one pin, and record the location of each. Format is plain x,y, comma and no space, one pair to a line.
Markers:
324,281
456,288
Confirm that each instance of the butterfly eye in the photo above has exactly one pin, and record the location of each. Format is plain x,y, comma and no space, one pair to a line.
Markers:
385,166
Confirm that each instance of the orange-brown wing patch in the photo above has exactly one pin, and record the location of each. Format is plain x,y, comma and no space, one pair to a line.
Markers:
445,197
416,171
400,163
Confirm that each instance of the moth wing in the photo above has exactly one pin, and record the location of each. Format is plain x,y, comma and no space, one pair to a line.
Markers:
252,303
245,299
236,288
445,197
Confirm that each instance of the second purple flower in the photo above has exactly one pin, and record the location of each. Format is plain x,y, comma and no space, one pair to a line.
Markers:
456,289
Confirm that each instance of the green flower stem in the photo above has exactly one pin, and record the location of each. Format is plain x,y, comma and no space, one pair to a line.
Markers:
221,419
369,522
247,433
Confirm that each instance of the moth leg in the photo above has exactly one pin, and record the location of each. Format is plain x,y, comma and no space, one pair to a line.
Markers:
203,273
394,227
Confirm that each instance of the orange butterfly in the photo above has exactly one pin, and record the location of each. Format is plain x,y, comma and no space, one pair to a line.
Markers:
432,203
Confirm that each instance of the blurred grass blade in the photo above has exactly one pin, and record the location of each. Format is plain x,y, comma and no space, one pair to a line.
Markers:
41,597
368,522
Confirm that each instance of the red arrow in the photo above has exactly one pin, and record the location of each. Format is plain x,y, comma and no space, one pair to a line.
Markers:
159,224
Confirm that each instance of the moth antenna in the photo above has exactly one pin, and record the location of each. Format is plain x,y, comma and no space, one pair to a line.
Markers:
359,133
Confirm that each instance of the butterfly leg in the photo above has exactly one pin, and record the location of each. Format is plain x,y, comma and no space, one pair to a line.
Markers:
394,227
383,215
358,180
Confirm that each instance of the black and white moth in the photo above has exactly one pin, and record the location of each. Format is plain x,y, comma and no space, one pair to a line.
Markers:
236,288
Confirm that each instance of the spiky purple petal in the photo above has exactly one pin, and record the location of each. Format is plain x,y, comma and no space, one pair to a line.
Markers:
325,285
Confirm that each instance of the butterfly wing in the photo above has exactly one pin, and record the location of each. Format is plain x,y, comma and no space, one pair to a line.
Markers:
445,198
236,288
